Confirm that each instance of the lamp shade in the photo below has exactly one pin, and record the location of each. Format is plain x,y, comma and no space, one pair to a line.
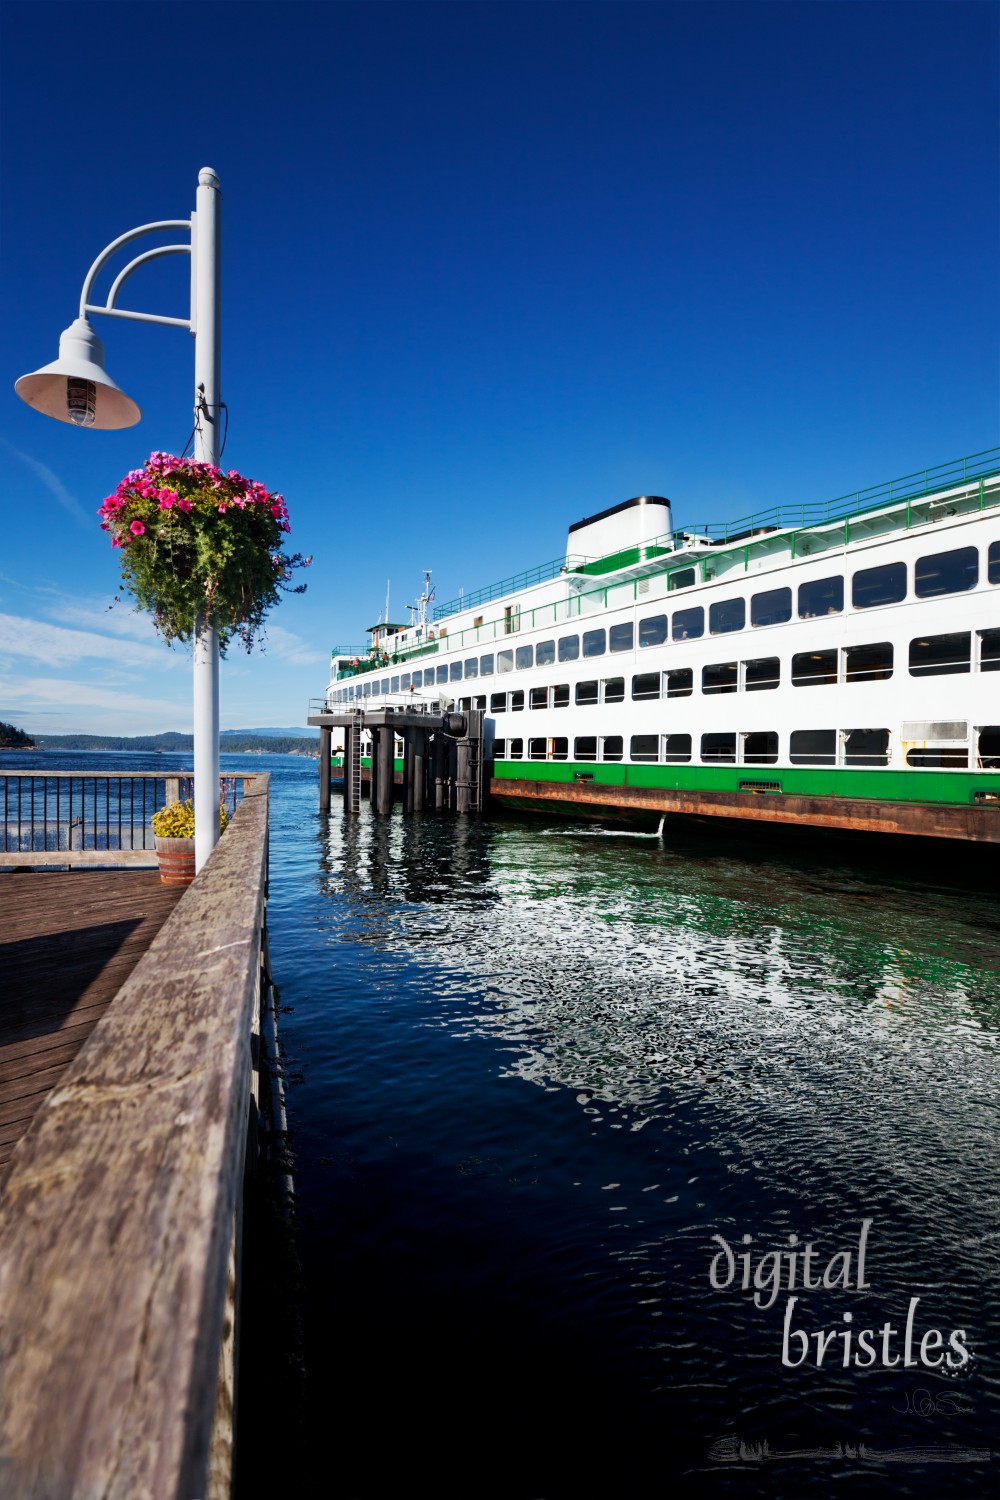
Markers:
76,387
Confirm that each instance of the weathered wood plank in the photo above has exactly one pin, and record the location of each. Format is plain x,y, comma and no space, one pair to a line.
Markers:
117,1211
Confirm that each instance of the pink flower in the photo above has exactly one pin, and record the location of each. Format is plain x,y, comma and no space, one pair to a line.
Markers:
183,503
222,510
116,541
167,498
137,528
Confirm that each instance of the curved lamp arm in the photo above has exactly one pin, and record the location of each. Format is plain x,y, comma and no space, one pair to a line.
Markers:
109,309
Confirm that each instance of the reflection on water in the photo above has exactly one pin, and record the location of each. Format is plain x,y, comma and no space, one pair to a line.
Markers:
542,1069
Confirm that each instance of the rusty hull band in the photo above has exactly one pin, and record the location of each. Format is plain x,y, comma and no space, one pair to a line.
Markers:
969,823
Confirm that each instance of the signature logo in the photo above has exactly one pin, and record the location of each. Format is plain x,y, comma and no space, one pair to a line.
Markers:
922,1403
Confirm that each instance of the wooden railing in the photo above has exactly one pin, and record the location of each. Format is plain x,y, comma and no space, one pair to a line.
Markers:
121,1211
90,818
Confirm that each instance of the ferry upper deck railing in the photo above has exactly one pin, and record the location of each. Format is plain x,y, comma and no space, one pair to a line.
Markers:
84,817
775,517
703,565
120,1208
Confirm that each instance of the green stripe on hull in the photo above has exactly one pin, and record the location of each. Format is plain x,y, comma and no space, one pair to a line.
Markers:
796,781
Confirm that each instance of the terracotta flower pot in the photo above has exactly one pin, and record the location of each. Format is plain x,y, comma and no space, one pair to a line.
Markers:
176,860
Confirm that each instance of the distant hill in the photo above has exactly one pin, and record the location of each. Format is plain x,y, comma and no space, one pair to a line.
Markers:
270,734
12,738
232,741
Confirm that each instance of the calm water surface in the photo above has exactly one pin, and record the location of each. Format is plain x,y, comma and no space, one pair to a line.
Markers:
537,1071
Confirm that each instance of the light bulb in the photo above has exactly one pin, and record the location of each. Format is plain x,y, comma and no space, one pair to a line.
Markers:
81,401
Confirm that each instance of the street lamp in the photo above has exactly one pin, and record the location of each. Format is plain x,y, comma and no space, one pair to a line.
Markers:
76,388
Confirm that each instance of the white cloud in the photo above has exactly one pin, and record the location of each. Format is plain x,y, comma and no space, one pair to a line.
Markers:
284,645
53,484
55,646
62,705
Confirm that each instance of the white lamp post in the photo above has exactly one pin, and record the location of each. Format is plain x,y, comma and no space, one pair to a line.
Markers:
76,388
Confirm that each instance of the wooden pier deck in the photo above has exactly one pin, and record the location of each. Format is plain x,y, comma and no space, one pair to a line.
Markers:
69,941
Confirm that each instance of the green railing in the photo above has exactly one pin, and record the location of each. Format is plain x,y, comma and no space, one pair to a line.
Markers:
776,517
541,574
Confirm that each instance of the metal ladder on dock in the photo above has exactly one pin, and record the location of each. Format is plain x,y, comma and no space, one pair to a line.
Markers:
352,769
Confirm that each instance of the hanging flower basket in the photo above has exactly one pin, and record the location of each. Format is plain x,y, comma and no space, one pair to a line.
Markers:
200,544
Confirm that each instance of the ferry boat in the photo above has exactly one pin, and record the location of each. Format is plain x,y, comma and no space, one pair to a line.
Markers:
825,663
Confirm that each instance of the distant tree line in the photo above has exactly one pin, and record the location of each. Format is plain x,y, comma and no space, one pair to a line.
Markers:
230,744
12,738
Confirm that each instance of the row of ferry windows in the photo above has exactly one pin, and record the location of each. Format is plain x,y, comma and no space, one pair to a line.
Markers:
806,747
929,656
936,655
942,573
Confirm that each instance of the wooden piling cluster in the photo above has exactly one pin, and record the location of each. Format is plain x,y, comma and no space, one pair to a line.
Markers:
442,758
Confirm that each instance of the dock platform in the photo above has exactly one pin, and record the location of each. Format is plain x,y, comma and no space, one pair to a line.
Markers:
70,940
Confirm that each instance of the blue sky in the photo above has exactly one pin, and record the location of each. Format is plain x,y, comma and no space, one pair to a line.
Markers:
487,269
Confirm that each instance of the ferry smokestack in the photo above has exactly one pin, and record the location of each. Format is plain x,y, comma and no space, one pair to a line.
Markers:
632,523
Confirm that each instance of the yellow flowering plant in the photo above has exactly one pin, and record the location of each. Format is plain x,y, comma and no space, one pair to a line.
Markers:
176,820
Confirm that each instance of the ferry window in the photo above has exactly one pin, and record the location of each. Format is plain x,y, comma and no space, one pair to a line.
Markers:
498,703
680,682
729,614
677,747
456,671
394,685
813,668
813,747
442,674
988,754
938,757
620,637
560,748
539,698
946,572
486,665
517,701
375,689
688,624
771,608
683,578
941,655
499,749
873,586
480,702
511,618
594,642
472,667
761,673
505,661
405,680
824,596
464,704
545,653
586,692
536,749
515,749
523,657
993,563
585,747
646,685
560,695
611,747
653,631
718,747
720,678
760,749
868,663
989,651
866,747
644,747
569,647
614,690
